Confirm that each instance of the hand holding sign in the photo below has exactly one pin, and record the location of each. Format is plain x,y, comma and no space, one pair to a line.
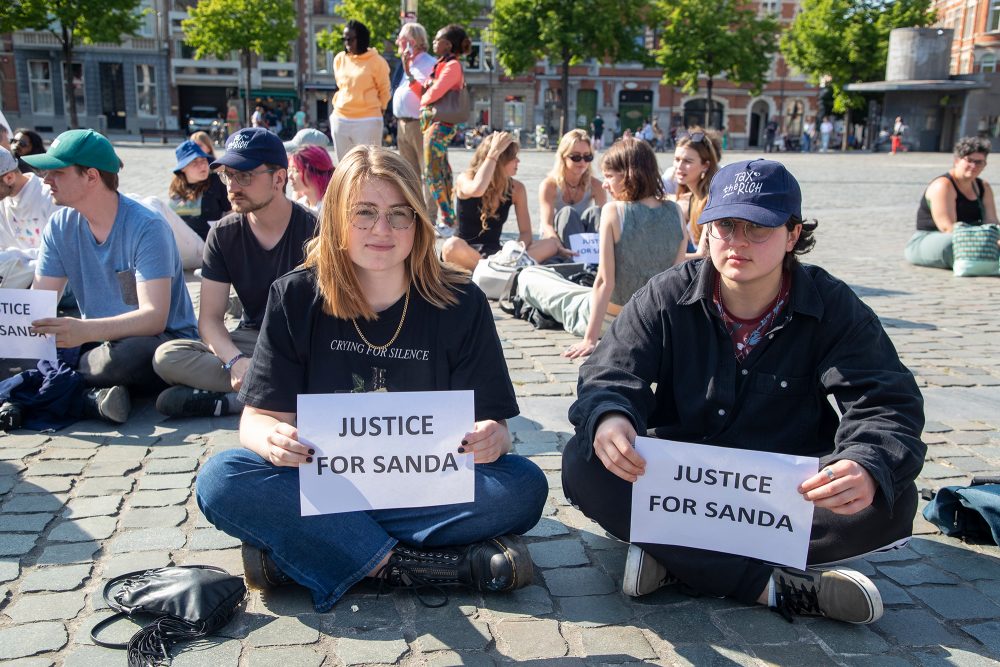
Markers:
68,331
587,247
613,446
843,487
488,441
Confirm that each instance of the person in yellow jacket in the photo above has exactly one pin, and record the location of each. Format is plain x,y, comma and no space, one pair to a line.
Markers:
363,91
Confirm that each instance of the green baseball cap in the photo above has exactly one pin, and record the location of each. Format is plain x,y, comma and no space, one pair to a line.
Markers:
85,148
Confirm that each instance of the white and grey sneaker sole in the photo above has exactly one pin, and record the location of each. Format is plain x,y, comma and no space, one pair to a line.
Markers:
867,587
633,568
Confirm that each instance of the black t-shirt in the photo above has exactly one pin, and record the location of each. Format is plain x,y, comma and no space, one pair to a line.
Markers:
233,255
470,223
214,205
302,350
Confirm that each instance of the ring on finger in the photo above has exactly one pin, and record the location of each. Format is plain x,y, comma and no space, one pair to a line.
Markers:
829,474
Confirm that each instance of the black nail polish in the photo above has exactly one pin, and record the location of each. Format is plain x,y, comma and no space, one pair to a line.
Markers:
311,452
309,459
465,442
461,450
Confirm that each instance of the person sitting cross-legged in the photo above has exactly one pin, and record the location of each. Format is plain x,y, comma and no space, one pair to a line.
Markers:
789,361
248,249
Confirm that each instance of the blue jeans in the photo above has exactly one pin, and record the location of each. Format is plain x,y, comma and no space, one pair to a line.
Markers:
258,503
806,143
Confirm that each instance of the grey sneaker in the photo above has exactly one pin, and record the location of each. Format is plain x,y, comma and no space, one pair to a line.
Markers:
110,404
644,574
839,594
260,571
181,401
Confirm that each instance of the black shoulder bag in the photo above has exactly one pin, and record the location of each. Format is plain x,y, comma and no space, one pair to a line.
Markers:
186,602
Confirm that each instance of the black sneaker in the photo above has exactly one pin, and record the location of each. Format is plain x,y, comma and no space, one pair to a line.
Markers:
11,417
181,401
839,594
501,564
110,404
260,571
644,574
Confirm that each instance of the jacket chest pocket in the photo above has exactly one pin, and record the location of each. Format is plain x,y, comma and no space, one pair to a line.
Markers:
780,385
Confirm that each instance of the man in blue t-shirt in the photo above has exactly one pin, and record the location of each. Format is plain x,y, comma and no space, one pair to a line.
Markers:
122,264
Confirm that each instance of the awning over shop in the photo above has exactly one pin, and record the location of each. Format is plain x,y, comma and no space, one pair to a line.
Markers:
944,85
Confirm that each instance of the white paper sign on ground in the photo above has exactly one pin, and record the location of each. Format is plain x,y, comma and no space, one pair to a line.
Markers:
385,450
18,309
730,500
587,247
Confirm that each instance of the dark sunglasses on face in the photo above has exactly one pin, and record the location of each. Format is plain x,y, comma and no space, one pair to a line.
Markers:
576,157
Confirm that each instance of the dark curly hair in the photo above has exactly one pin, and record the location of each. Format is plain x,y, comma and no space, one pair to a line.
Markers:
968,145
805,243
361,33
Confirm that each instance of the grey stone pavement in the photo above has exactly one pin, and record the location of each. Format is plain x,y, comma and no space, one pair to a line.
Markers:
82,505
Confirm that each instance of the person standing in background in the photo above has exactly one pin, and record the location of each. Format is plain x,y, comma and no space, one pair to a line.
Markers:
363,92
418,65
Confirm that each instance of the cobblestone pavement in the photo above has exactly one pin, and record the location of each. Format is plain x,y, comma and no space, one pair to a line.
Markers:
79,506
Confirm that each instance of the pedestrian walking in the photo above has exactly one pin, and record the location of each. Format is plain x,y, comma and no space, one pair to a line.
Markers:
825,132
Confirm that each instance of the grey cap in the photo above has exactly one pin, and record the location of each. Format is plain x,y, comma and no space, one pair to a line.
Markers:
307,137
8,162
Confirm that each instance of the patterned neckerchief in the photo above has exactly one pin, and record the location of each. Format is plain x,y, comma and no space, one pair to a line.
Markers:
746,334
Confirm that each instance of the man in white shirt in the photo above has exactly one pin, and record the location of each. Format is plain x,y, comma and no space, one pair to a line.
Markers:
418,65
25,206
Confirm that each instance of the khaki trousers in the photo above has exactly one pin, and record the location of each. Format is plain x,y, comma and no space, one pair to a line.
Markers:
192,364
411,148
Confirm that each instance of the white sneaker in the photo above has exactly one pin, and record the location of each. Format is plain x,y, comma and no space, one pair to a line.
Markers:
644,574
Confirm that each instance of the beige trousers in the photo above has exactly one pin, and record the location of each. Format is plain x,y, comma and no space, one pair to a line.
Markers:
411,147
192,364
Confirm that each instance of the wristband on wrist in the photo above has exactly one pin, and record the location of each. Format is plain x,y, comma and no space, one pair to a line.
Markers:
232,362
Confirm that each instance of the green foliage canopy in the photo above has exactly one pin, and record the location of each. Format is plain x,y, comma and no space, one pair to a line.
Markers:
219,27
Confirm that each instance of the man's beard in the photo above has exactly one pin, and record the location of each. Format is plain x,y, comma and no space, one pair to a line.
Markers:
245,205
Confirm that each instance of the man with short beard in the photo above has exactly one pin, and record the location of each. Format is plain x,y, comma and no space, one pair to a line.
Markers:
263,238
25,207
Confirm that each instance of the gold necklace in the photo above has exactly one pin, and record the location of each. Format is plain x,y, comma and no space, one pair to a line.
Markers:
402,318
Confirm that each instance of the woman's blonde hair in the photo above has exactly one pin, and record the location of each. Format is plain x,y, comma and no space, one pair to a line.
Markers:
327,253
565,148
500,186
709,152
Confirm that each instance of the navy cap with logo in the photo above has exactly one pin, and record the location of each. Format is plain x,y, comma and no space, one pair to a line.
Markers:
760,191
251,147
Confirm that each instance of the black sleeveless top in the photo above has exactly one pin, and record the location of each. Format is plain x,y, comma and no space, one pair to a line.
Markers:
470,226
966,210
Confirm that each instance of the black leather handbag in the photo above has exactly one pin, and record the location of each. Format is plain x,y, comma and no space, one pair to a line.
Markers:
185,602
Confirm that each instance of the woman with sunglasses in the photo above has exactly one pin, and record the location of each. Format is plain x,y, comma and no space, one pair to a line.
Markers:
363,92
373,309
789,361
696,160
570,197
959,195
641,235
486,192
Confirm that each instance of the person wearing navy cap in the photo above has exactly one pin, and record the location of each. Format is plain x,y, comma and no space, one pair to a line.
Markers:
790,360
262,239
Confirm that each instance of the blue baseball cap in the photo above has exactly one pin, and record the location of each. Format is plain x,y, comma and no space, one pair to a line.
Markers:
187,153
760,191
251,147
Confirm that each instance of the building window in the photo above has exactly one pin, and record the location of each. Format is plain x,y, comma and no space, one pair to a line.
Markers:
40,83
513,112
145,89
988,63
323,59
970,19
78,89
147,19
770,7
993,23
480,58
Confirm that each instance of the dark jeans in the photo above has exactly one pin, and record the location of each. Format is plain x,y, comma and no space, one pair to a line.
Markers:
607,499
128,361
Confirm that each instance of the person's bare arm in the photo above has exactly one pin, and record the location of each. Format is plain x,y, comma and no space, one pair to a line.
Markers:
477,185
519,196
989,204
213,331
273,437
604,284
49,283
546,209
148,319
600,196
941,199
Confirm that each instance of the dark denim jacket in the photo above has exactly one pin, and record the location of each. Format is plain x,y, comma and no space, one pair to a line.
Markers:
668,364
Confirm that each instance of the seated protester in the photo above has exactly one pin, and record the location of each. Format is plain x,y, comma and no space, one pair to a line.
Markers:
486,191
762,320
570,198
696,161
309,172
641,235
25,142
372,282
959,195
25,207
263,238
121,262
196,194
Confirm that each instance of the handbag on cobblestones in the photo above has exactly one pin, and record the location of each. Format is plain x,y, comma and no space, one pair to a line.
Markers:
975,250
186,603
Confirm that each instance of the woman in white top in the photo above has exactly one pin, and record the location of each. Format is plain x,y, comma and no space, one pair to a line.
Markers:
570,198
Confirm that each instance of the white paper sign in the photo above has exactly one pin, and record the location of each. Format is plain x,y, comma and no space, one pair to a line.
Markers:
731,500
587,247
18,309
385,450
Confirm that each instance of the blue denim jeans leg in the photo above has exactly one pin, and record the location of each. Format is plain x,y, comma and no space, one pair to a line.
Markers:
245,496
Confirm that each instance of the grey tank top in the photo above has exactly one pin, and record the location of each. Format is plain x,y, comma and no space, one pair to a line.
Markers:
648,245
579,207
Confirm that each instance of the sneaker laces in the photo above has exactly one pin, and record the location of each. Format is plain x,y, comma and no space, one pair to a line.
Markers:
791,599
397,574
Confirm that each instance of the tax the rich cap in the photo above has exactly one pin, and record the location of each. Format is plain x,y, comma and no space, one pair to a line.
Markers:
8,162
84,148
187,153
760,191
251,147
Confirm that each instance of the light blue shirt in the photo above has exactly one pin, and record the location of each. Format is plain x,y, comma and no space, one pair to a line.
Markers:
140,247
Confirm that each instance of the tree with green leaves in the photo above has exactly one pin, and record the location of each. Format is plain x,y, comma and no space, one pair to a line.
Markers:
714,38
262,27
847,41
567,32
382,19
73,23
